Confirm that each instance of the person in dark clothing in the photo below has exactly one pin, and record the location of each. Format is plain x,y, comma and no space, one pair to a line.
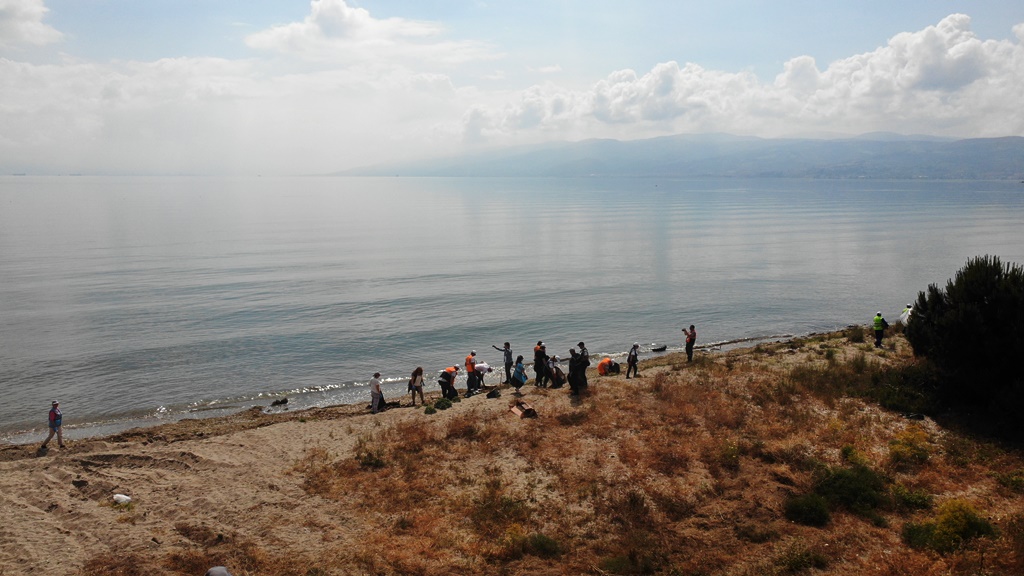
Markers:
584,363
633,360
507,350
540,365
447,382
575,369
691,339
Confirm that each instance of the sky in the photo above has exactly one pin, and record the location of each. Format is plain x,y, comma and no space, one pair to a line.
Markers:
288,87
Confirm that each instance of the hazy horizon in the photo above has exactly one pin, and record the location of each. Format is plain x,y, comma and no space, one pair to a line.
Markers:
285,88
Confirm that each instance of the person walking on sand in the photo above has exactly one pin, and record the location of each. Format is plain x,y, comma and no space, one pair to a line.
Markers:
691,339
376,396
54,424
633,360
879,324
507,351
519,376
416,385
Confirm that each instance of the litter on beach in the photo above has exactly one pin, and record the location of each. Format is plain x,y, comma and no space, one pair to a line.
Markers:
122,499
523,410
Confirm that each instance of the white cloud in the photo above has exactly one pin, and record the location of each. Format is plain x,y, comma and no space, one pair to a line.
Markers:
940,80
21,22
328,103
339,34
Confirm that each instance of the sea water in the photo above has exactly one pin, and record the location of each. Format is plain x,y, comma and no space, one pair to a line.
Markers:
137,300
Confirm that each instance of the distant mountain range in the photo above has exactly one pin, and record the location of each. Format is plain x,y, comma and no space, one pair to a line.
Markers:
876,155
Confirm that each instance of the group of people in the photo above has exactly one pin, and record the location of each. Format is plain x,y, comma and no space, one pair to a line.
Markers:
547,370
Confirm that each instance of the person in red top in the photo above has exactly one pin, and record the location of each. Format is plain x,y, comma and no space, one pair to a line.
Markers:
54,424
691,338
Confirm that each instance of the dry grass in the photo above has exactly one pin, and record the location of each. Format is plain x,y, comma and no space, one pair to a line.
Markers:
683,471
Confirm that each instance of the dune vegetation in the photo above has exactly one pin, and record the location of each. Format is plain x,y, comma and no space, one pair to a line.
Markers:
811,456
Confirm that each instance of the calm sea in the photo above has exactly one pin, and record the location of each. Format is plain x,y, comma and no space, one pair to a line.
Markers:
135,300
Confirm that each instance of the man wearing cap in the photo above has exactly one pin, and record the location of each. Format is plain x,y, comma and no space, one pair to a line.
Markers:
633,360
376,396
447,382
55,425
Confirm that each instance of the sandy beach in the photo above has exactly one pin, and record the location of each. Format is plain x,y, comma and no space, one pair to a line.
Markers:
704,453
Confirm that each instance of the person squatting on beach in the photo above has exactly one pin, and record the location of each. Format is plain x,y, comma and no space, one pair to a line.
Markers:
507,351
633,360
691,339
540,363
447,382
54,423
416,385
879,324
519,376
555,373
607,366
376,396
479,370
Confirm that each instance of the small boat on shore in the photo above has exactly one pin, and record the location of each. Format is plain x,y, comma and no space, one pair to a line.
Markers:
659,348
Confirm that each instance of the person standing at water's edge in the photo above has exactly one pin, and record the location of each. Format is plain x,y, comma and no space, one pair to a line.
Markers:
633,360
471,381
540,364
584,362
507,350
54,423
416,385
376,396
879,325
691,339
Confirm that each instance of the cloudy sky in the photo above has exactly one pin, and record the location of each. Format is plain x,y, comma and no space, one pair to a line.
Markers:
298,87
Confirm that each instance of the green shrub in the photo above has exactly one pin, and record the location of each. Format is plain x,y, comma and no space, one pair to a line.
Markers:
973,331
430,410
907,499
808,509
956,523
910,447
855,335
798,559
1012,480
442,404
858,489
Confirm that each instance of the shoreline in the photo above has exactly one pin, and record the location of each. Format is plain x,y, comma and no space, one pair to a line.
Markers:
99,429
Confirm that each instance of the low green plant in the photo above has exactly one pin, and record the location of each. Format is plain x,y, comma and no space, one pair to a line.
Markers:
857,488
910,447
808,509
798,559
956,524
443,404
1013,481
430,410
855,335
908,499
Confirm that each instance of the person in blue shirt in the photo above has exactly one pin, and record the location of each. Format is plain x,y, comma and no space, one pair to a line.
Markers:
55,425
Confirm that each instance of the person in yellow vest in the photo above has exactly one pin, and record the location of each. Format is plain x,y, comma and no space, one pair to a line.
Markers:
879,325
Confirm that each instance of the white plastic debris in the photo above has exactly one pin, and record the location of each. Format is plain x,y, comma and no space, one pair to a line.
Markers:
121,499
